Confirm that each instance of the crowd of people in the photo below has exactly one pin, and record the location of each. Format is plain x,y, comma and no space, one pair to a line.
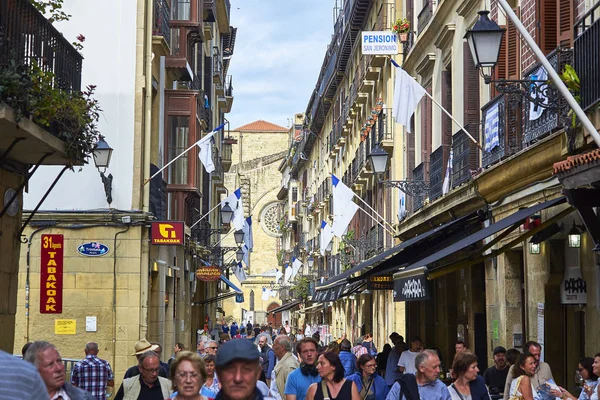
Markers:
279,366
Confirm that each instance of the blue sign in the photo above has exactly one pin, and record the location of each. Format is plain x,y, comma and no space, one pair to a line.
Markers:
239,298
93,249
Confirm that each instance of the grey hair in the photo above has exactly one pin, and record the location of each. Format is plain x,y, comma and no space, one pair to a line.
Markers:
91,347
424,356
36,348
265,335
207,344
285,342
146,354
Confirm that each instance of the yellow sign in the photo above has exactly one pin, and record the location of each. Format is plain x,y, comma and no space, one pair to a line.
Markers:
65,327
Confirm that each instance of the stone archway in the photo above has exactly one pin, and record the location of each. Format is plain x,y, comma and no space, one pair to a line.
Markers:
274,320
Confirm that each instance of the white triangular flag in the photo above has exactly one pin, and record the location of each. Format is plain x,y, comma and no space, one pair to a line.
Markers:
407,95
205,156
448,177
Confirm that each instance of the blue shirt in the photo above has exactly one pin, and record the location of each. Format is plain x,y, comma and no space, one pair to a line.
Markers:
391,368
435,390
234,330
298,384
378,387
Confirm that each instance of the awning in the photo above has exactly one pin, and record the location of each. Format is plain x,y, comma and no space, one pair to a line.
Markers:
388,254
285,307
513,221
231,285
312,309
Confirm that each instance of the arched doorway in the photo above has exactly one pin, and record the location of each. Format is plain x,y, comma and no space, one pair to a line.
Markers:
274,320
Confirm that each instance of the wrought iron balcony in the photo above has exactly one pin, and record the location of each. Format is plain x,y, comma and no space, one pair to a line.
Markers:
26,36
226,150
552,118
436,173
162,16
217,66
424,17
419,175
504,111
465,155
586,45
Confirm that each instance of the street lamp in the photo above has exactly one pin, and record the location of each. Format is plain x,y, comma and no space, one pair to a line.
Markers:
310,262
485,39
378,159
226,213
575,236
239,254
239,237
534,248
102,154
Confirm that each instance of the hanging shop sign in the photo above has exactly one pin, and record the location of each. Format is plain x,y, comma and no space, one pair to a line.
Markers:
414,288
93,249
51,274
169,233
380,42
573,289
208,273
382,282
239,298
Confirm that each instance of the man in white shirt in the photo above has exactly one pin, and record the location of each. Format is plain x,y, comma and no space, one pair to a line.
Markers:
406,364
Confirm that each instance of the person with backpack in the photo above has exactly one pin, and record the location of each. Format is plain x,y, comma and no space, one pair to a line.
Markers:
267,358
369,345
424,384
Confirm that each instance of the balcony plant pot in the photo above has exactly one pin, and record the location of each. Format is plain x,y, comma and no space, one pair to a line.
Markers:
403,37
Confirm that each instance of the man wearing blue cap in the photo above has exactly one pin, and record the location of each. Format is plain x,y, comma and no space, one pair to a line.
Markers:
238,370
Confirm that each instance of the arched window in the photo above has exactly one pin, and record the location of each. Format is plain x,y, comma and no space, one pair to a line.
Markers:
252,300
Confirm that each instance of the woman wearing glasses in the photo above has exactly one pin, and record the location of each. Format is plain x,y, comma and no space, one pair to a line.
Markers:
188,375
588,379
370,385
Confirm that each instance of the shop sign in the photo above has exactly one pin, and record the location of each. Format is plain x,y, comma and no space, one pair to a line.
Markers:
168,233
239,298
382,282
382,42
51,274
414,288
208,273
92,249
573,289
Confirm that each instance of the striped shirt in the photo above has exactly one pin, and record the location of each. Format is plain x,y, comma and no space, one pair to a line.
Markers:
91,374
20,380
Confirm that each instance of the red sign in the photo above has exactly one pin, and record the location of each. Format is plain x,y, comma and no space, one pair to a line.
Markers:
208,273
168,233
51,274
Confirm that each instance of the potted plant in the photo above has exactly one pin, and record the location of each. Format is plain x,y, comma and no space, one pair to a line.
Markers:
402,27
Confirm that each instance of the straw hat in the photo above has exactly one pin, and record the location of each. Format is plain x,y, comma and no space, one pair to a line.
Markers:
143,346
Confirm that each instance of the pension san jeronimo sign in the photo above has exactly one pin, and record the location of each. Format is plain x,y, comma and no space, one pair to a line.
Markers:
414,288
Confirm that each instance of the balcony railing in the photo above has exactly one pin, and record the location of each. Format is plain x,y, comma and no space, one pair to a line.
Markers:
229,86
27,37
162,16
385,125
217,65
436,173
424,17
504,111
586,45
550,119
418,175
465,155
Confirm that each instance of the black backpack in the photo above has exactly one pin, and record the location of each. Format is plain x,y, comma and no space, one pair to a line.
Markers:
408,387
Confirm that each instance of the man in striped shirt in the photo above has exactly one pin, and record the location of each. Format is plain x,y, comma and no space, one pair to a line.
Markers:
20,380
93,374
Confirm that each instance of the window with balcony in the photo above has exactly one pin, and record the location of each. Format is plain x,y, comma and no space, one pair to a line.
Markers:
179,131
181,10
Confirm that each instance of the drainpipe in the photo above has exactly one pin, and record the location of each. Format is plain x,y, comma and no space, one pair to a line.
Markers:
114,298
144,258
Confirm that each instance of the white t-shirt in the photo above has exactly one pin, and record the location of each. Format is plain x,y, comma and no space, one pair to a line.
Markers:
407,361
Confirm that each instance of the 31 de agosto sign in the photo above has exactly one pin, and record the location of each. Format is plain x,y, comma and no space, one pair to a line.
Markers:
51,274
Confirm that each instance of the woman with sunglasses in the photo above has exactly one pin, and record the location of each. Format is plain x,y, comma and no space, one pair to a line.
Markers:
590,380
370,385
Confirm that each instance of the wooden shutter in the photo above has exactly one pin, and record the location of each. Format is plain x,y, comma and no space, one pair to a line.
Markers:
410,13
471,88
500,69
446,121
549,25
565,21
512,49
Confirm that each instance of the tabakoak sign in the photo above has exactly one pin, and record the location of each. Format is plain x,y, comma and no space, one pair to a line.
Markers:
51,274
170,233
